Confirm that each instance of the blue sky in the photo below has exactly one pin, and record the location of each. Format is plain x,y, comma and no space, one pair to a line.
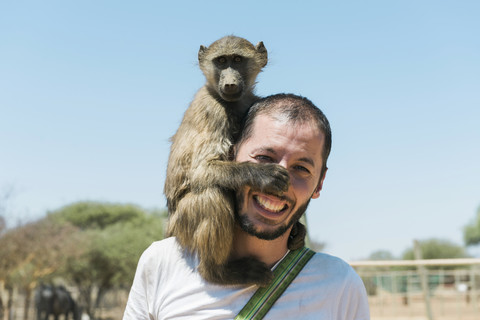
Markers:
91,91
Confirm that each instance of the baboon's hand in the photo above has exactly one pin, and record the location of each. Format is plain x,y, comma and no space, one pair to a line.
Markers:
270,178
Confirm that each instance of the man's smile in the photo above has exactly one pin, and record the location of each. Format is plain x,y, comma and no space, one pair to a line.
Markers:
271,204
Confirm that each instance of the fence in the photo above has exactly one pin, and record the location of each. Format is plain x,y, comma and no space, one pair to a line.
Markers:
398,290
422,289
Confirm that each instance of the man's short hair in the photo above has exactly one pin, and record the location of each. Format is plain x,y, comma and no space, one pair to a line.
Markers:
294,109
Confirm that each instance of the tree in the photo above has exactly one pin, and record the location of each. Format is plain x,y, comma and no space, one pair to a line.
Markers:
33,251
5,196
113,238
437,249
381,255
471,232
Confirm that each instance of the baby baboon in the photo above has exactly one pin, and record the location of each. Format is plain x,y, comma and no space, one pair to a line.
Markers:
200,176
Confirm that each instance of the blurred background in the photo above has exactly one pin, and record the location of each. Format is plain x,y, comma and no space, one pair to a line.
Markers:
91,92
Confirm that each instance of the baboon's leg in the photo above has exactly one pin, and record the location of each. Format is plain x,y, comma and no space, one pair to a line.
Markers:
203,223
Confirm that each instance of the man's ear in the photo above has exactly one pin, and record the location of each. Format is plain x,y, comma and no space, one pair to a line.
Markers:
316,192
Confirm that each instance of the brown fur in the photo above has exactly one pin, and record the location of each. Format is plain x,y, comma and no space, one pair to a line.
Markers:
200,176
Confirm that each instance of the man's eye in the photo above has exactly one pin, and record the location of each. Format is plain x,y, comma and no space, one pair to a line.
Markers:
262,158
302,168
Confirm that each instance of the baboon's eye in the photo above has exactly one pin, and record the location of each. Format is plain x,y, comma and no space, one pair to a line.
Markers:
221,60
237,59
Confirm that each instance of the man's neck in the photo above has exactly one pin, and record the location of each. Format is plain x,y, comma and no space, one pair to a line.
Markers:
267,251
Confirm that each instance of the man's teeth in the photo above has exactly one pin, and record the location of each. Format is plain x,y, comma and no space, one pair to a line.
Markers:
274,206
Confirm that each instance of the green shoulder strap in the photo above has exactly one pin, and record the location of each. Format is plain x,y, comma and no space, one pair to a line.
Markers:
264,298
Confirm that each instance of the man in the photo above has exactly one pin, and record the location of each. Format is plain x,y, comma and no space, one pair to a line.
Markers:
290,131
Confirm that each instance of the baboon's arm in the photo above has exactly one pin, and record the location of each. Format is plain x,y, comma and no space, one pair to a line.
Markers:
267,178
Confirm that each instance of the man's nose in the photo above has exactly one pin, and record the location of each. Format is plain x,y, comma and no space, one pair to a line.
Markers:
284,164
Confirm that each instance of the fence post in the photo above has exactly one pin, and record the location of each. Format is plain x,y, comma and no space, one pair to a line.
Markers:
473,287
423,277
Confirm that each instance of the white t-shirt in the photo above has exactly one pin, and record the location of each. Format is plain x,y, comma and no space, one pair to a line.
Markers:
168,286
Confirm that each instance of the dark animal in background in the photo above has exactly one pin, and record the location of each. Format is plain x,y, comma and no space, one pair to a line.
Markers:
201,177
56,301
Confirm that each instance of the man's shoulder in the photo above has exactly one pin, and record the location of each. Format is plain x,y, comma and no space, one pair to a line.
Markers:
326,264
162,245
167,247
325,258
328,271
326,286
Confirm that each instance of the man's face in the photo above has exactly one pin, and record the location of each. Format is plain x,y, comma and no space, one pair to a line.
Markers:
296,147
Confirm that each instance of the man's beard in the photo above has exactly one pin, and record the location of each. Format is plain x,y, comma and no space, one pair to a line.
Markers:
249,227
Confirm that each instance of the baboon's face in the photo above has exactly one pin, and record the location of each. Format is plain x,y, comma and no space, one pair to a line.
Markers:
230,76
296,147
231,66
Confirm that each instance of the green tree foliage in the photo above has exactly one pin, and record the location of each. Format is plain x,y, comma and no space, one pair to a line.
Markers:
113,237
471,233
97,215
381,255
437,249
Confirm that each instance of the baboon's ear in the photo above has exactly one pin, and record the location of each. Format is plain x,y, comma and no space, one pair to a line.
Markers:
260,47
262,54
201,52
